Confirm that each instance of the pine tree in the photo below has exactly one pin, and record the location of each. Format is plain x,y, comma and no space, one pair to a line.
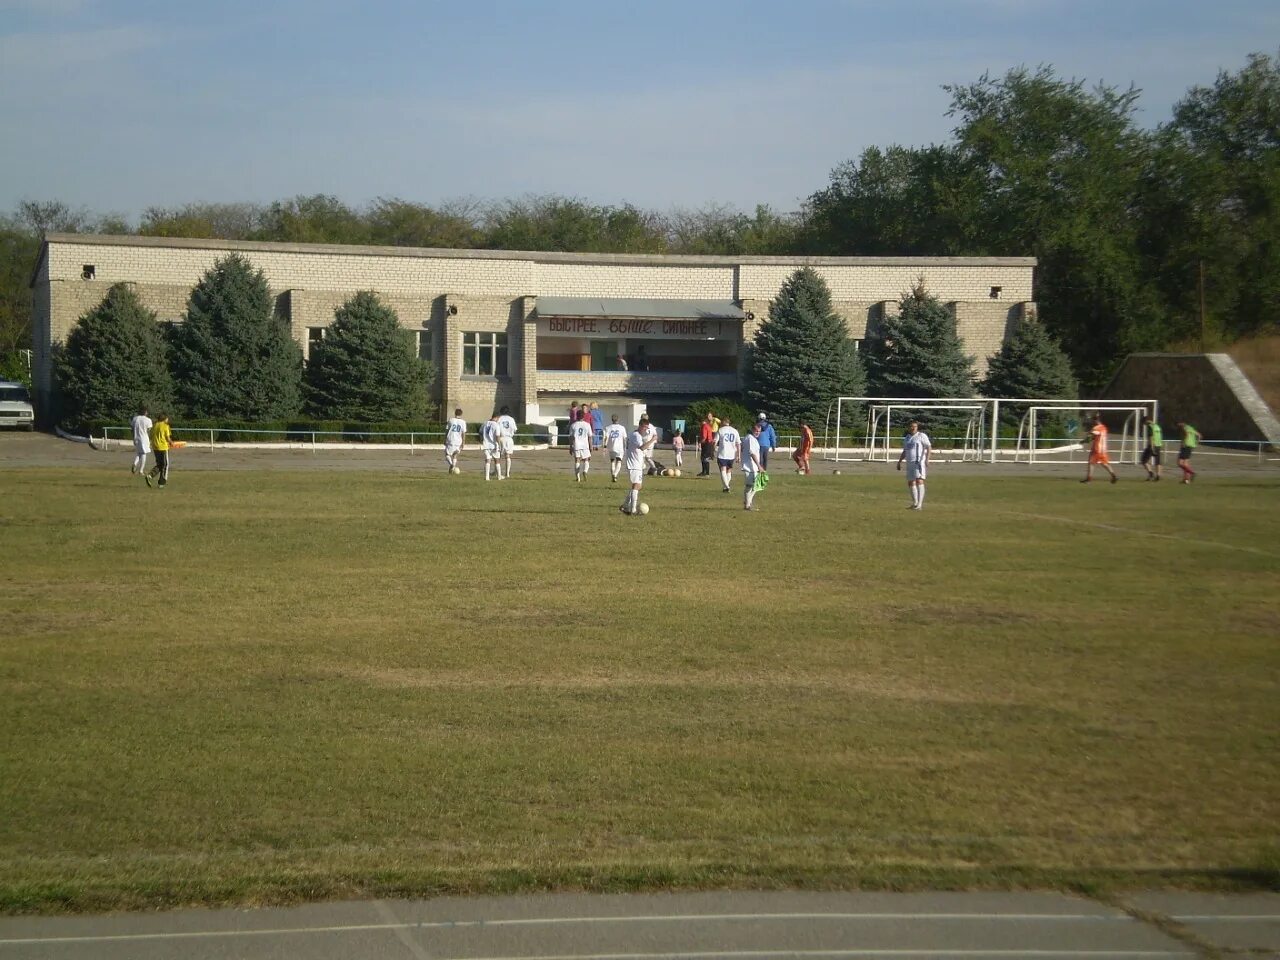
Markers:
1030,364
232,359
365,368
802,357
918,354
114,362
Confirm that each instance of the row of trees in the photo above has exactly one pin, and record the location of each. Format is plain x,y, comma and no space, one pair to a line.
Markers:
802,356
1125,220
233,359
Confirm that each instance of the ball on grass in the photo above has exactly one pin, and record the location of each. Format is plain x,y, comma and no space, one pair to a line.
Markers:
677,472
835,473
644,509
456,470
668,472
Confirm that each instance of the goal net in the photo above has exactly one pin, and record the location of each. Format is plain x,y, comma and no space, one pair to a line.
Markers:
870,428
1035,447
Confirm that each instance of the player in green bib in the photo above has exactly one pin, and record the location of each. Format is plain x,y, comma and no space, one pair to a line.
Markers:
1155,446
1190,440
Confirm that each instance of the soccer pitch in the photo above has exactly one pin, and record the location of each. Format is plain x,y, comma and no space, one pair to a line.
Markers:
267,686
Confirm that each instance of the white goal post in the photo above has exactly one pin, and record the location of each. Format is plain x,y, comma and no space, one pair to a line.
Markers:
880,436
987,417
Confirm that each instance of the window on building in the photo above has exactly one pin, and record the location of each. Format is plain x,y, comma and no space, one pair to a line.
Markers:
484,354
424,345
314,336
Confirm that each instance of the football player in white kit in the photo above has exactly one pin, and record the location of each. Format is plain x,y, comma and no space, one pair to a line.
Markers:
751,466
639,442
615,441
650,435
507,440
455,433
727,442
491,444
141,440
582,440
915,450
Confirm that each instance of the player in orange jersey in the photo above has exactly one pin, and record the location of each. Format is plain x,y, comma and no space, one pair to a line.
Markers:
1098,451
801,456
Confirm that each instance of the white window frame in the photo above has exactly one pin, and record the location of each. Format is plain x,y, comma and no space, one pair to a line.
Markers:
495,344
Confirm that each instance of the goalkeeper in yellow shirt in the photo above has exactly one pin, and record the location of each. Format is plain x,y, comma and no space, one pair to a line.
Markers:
160,443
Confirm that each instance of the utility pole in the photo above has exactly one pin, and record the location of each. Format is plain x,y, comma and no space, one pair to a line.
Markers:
1202,327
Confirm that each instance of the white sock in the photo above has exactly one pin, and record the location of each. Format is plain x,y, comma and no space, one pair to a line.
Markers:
488,468
749,494
586,467
920,487
508,466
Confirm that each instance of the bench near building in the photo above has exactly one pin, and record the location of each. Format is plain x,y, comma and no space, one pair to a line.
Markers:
535,330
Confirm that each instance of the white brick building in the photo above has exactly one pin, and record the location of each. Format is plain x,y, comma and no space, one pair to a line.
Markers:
533,330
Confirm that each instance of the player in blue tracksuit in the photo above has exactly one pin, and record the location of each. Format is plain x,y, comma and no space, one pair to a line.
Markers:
768,440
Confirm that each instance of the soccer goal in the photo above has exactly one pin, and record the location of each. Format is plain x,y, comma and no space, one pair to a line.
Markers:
880,417
1029,446
884,431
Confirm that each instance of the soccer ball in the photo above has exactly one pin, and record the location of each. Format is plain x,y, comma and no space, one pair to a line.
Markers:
677,473
644,509
835,473
668,473
456,470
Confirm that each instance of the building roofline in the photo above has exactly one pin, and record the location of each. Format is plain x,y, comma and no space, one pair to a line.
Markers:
632,259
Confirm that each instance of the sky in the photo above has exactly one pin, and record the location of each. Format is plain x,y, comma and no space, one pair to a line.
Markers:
119,105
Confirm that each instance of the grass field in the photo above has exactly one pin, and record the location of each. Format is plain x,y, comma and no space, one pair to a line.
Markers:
256,687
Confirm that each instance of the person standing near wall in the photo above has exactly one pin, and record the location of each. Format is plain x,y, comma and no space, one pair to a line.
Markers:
597,422
141,440
1190,440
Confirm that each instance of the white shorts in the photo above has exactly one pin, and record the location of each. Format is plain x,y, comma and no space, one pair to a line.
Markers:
451,450
581,453
507,445
140,450
491,453
637,476
915,471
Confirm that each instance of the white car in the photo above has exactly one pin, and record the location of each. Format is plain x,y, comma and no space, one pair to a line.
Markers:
15,406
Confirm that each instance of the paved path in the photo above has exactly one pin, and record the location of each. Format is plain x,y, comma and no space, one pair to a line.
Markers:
746,926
